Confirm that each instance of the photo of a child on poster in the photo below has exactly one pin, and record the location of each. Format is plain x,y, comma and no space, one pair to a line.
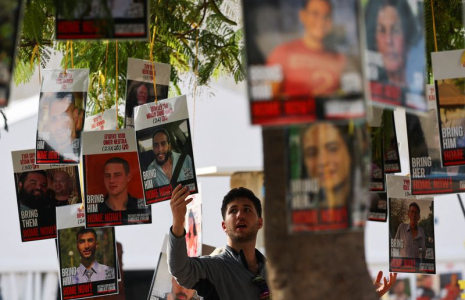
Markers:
102,19
449,76
113,184
328,177
304,64
87,256
426,170
40,189
395,53
62,105
164,286
165,148
411,230
140,85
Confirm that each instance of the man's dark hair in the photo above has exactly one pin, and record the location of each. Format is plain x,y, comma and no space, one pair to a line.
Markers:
118,160
164,131
23,176
85,230
305,3
241,193
414,204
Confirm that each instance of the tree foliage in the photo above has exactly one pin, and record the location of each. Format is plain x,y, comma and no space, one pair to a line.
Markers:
200,36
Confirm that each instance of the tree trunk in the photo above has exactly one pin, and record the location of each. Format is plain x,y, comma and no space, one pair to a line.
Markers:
307,266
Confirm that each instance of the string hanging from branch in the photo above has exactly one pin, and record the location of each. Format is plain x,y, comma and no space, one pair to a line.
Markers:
116,85
152,42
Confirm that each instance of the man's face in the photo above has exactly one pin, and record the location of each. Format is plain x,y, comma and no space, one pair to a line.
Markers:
61,183
141,95
180,293
87,245
33,192
241,222
390,39
317,19
326,156
161,148
62,122
413,215
116,180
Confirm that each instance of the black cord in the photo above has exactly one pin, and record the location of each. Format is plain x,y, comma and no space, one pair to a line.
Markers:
461,204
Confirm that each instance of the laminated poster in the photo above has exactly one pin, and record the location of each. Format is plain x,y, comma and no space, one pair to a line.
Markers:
449,76
140,82
39,189
299,72
391,147
102,19
411,229
101,121
449,285
426,171
87,256
165,148
112,181
164,286
9,28
378,207
427,287
328,177
378,176
193,226
395,53
62,106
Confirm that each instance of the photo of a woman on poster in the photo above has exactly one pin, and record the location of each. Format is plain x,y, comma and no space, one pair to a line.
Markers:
323,170
396,60
191,236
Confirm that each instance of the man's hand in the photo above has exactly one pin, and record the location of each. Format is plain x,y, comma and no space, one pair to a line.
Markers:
382,288
178,205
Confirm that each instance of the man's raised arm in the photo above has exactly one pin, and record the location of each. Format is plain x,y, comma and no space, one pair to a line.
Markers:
178,205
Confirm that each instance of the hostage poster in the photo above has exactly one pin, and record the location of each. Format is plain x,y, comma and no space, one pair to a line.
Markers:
39,190
395,54
193,226
449,76
165,148
62,106
411,229
105,120
378,207
426,171
112,180
378,176
328,177
102,19
140,85
9,28
303,61
87,256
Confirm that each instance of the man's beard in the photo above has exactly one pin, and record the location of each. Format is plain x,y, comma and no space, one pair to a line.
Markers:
32,201
250,236
162,162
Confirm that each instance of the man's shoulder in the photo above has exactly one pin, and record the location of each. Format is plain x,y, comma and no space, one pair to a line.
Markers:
152,165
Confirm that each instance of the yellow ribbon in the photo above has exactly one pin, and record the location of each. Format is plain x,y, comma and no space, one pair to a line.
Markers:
152,42
434,27
72,55
66,57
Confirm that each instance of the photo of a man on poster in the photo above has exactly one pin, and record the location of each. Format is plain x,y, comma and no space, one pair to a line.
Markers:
412,236
60,125
62,187
117,175
90,270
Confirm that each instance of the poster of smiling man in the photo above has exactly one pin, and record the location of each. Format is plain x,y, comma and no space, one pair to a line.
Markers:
165,148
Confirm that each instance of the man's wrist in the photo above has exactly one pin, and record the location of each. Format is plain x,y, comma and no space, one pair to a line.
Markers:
177,230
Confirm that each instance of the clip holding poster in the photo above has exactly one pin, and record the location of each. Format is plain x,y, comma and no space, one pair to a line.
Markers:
411,229
165,148
395,60
87,256
327,189
62,105
113,183
41,188
299,72
102,19
449,74
140,85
